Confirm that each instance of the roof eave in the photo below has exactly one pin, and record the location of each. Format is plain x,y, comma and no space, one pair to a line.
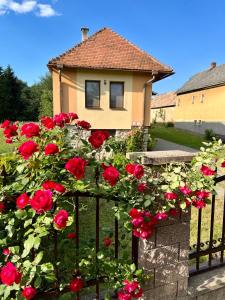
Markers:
201,89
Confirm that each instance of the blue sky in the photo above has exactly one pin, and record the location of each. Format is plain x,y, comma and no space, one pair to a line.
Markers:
185,34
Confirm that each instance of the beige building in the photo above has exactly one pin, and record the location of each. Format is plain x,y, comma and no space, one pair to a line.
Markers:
106,80
201,101
163,108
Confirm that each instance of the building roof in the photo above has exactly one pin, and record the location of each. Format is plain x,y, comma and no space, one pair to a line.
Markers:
164,100
212,77
107,50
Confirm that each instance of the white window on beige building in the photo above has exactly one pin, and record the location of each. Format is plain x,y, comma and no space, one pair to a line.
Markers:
193,99
202,98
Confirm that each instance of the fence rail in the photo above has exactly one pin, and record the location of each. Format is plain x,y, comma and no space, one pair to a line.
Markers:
208,255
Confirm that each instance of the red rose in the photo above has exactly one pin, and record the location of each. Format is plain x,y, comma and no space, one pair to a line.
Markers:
28,148
185,190
84,124
97,138
71,235
202,194
138,171
223,164
5,124
61,119
134,213
207,171
6,251
51,149
170,196
73,116
8,141
142,187
198,203
161,215
111,175
130,168
173,212
2,207
188,203
9,274
59,188
61,218
138,221
76,285
48,185
30,129
76,166
107,241
133,288
51,185
29,292
123,295
47,122
10,131
41,201
22,201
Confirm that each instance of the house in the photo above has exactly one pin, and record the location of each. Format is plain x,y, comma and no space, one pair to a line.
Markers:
163,108
201,101
107,80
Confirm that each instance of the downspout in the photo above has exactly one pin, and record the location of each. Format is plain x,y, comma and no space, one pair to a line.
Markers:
145,86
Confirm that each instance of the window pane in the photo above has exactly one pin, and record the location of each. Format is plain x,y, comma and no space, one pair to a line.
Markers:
116,95
92,94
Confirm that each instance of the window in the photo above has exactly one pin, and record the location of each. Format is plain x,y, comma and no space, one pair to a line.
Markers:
92,94
193,99
116,94
202,98
178,102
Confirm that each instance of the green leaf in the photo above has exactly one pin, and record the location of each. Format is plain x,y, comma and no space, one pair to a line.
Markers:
20,214
132,268
147,203
28,245
38,258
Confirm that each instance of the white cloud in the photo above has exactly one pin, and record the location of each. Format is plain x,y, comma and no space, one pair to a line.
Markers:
46,10
22,8
26,6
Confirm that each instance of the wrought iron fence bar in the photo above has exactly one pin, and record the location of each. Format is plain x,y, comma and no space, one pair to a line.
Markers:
135,242
205,252
199,237
116,235
211,230
77,230
97,246
223,231
205,269
219,179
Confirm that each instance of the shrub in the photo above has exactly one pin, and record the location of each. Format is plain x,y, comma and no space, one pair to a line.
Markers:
169,124
209,134
135,140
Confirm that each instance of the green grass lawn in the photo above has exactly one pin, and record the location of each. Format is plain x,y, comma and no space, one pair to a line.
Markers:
177,136
5,148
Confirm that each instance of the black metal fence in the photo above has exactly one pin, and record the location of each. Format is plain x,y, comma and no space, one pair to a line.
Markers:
209,254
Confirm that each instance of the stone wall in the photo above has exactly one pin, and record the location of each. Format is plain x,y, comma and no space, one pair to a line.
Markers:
165,257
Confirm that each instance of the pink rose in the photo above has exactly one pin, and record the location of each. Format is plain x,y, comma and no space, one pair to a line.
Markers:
207,171
29,292
170,196
9,274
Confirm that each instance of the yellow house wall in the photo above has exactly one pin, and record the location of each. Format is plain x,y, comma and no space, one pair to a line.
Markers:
161,115
212,108
73,98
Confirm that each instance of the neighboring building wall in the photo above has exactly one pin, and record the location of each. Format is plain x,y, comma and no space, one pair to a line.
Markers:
163,115
73,98
202,110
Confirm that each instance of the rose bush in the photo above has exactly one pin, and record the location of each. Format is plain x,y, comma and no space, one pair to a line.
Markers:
37,214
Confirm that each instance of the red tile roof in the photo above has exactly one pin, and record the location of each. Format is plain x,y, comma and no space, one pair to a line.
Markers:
108,50
164,100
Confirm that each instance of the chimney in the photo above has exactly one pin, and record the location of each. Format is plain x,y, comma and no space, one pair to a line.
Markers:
213,65
84,31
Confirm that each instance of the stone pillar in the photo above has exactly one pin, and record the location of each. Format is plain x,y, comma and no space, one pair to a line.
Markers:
165,257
